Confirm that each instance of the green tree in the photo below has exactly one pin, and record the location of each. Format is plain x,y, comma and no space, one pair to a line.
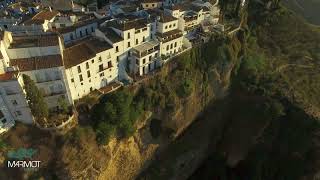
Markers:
104,132
63,104
37,104
110,113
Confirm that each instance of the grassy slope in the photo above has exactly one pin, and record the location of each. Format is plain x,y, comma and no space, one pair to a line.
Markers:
293,50
308,9
286,147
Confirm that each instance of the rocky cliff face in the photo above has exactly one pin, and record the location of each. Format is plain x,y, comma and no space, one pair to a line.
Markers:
130,156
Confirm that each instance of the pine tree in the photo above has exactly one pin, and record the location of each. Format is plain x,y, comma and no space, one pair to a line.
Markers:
37,104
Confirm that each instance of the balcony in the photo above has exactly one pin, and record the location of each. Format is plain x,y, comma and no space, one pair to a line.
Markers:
11,92
55,94
105,68
169,36
145,49
48,80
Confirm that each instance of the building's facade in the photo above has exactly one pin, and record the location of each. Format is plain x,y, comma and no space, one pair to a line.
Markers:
145,58
38,56
13,103
90,65
70,51
151,4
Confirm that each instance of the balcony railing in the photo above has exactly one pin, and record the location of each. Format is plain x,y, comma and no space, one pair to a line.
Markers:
144,53
48,80
54,93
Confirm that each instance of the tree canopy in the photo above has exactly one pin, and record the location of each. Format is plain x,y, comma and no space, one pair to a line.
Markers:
37,104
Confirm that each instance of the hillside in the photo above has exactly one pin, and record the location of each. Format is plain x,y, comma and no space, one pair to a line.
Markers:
274,112
309,9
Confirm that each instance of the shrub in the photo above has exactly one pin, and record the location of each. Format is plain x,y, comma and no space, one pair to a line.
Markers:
104,132
38,106
185,89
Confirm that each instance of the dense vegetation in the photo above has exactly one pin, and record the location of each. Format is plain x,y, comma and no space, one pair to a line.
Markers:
34,96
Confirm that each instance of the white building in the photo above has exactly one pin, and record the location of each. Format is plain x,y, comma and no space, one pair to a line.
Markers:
169,36
39,57
90,64
145,58
13,104
78,30
151,4
42,20
123,35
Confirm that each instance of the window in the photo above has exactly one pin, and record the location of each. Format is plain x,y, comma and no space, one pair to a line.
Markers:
71,36
100,67
143,39
88,73
166,27
174,24
128,44
150,58
137,41
14,102
117,49
117,59
18,113
137,61
92,61
1,115
128,35
102,74
91,89
143,60
167,47
87,65
92,29
62,25
147,5
171,46
170,26
87,32
80,77
3,121
80,33
156,55
152,5
109,64
175,44
100,59
79,69
72,80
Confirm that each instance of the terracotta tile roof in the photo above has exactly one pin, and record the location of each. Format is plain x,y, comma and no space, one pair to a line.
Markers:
128,24
168,36
41,17
8,76
110,34
83,51
167,18
34,41
36,63
178,7
77,25
151,1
